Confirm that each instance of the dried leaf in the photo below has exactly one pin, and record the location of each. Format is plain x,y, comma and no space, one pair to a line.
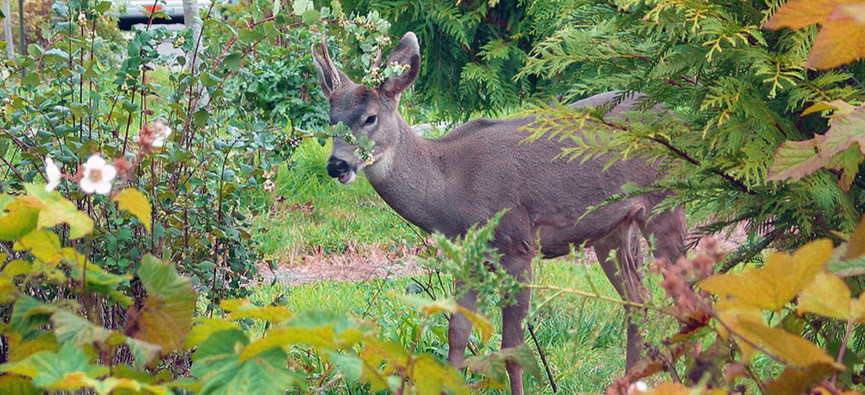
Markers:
796,159
166,317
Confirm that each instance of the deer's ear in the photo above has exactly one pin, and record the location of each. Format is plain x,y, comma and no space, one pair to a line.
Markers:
406,52
330,77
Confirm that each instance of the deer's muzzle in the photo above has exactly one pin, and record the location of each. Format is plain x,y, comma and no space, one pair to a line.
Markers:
340,169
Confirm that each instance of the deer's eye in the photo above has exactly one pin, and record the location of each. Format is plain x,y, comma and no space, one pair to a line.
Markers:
370,120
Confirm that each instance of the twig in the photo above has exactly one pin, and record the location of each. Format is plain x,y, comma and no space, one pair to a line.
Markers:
592,295
543,358
850,325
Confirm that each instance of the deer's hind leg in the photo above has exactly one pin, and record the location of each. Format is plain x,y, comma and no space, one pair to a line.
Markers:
623,271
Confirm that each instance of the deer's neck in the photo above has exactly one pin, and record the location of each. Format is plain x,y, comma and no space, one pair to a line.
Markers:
409,177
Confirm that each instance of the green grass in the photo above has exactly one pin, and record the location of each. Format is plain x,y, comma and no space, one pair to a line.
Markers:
583,338
341,213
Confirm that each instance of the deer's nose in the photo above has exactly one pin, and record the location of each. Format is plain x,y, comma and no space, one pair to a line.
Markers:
336,167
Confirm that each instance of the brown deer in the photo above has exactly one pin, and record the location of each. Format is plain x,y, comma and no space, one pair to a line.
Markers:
481,168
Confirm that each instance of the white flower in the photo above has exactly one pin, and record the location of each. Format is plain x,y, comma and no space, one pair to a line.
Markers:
160,134
52,174
638,387
98,175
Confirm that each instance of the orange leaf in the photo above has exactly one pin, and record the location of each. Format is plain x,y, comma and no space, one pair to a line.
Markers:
839,42
777,282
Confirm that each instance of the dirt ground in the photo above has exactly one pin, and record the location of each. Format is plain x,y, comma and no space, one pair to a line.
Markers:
374,261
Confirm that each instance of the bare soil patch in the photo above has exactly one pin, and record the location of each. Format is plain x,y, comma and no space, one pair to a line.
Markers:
375,261
357,263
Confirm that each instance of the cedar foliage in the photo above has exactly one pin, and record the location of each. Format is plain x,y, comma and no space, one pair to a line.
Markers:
738,92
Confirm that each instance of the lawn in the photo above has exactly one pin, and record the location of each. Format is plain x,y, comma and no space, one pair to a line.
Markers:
582,338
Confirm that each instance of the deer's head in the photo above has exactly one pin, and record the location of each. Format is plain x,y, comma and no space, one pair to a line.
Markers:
368,112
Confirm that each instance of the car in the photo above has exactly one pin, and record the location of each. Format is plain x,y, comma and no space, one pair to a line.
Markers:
131,12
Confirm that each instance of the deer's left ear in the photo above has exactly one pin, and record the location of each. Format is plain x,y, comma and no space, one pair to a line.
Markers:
406,52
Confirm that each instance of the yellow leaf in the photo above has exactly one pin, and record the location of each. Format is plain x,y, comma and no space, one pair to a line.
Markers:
839,42
797,14
838,106
796,381
777,282
731,316
793,349
135,203
205,327
828,296
856,244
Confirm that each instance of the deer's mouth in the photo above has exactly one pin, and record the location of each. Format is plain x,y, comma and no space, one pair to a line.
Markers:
341,170
347,178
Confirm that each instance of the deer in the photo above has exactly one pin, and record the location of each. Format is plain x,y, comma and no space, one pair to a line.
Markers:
481,168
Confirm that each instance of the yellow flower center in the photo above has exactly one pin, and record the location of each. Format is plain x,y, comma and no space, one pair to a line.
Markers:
95,175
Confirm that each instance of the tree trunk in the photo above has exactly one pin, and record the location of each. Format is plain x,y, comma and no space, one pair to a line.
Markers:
7,29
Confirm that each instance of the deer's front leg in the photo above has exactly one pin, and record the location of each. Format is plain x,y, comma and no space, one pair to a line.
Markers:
460,328
513,332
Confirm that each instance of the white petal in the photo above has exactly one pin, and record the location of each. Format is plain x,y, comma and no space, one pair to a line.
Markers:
86,185
103,187
108,173
95,162
52,171
158,142
52,185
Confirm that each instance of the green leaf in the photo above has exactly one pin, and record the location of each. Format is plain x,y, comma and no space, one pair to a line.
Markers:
133,201
301,6
200,117
67,369
70,328
143,352
18,219
233,60
219,370
311,17
103,6
166,317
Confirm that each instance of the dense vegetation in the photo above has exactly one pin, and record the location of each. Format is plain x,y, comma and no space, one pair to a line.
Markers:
147,281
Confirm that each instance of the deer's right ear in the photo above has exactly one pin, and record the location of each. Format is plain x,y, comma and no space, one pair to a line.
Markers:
330,77
406,52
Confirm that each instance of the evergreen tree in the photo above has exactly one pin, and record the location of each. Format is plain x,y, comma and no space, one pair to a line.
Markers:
738,92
